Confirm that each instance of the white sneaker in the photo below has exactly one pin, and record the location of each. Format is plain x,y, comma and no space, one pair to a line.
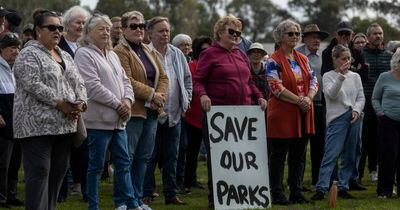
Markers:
137,208
145,207
123,207
373,176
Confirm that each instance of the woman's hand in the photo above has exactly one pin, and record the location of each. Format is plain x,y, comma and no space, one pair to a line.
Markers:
205,103
72,111
263,103
124,109
304,103
343,69
159,99
354,117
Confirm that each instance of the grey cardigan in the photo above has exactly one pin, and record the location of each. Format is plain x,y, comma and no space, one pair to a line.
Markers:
40,83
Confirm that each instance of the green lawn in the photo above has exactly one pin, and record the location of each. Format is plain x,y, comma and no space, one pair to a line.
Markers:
198,199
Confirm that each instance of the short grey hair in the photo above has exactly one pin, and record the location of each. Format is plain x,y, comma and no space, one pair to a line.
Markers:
392,45
280,30
129,16
395,61
370,27
72,13
85,40
181,38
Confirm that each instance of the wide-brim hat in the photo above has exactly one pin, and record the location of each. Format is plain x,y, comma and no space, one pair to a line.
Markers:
257,46
314,29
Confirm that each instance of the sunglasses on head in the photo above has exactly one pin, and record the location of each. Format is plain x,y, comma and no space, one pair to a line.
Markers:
234,32
134,26
53,27
291,34
344,33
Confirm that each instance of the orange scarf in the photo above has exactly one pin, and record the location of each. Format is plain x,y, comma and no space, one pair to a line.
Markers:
284,118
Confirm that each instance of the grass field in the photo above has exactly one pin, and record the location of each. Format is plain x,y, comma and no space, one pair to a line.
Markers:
366,200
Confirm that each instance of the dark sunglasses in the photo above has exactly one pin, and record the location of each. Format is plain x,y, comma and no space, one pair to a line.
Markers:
234,32
134,26
291,34
344,33
53,27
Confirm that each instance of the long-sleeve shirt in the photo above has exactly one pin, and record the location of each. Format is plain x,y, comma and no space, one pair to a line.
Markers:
341,93
386,96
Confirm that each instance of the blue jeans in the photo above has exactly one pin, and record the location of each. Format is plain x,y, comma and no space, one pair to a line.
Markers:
141,140
341,140
98,140
167,144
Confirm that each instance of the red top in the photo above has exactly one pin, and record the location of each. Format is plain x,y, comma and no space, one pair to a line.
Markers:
193,114
224,76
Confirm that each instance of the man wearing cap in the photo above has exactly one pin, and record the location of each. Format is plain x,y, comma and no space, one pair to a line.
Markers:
312,38
10,153
343,35
256,54
379,61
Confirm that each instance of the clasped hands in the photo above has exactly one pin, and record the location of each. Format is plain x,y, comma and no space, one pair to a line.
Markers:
71,109
304,102
124,109
158,101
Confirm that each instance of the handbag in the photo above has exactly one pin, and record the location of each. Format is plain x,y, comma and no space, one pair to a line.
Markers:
80,134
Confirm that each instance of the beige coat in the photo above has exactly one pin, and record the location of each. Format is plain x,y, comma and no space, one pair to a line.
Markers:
136,72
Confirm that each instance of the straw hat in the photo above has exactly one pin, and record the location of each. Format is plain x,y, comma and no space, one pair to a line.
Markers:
313,29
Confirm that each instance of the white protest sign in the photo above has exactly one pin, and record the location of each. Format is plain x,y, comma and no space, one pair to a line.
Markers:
239,159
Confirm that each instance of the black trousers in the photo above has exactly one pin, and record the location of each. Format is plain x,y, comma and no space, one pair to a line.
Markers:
10,162
296,150
389,153
195,137
369,145
317,142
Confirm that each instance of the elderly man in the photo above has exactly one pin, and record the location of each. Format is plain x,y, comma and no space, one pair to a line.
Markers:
312,38
169,128
379,61
116,30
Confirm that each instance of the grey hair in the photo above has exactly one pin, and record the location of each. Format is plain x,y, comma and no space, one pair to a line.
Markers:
85,40
181,38
392,45
395,61
370,27
72,13
129,16
280,30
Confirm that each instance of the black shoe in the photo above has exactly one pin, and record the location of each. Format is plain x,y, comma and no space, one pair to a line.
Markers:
184,191
319,195
298,198
5,206
174,201
345,195
280,200
356,186
15,202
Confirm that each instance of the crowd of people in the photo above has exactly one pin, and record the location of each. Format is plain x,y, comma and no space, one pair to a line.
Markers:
142,98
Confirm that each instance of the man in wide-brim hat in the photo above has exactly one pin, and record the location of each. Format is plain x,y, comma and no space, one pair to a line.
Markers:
312,38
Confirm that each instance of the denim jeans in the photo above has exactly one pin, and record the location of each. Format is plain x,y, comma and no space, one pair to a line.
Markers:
341,140
98,140
141,140
168,138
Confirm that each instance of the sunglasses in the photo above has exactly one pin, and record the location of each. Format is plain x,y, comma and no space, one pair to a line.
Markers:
344,33
53,27
291,34
134,26
234,32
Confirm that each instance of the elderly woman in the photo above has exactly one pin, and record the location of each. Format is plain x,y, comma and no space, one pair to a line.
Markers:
386,100
184,43
49,97
223,76
256,54
73,21
150,84
109,108
345,101
293,85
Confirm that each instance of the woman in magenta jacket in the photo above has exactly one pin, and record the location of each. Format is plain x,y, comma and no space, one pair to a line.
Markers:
223,76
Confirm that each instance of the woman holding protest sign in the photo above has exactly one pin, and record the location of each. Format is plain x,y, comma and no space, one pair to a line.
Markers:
223,77
293,85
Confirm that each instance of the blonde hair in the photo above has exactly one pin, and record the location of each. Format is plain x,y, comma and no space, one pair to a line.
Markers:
85,40
221,24
129,16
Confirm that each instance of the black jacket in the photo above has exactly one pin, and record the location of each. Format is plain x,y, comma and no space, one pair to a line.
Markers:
64,46
6,111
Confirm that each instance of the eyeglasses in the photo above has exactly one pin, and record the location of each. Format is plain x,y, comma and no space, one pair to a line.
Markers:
53,27
234,32
134,26
291,34
360,42
344,33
